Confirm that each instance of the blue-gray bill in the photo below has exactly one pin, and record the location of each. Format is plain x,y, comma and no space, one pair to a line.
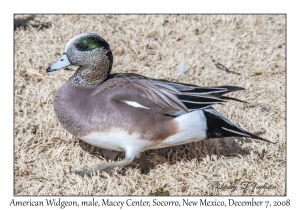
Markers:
62,62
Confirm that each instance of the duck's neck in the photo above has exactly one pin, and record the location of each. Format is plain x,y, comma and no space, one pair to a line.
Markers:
93,74
86,76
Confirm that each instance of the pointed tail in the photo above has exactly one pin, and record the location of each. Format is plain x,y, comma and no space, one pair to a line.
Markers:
218,127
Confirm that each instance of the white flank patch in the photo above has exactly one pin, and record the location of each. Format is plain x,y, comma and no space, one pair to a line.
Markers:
118,140
192,127
135,104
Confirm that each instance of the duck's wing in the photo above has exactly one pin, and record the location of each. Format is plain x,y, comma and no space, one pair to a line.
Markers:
167,97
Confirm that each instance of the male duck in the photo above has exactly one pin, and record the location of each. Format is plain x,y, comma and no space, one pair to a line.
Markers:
130,112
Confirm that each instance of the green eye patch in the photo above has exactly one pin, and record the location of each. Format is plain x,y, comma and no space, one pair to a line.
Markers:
90,43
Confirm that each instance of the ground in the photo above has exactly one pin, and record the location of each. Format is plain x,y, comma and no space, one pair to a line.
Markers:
252,46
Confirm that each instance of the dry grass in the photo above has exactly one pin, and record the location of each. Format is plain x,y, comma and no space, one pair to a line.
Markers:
154,46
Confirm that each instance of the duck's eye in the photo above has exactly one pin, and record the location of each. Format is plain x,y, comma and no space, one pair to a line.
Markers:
80,46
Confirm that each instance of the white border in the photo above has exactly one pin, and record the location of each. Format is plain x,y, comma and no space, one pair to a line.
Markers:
153,6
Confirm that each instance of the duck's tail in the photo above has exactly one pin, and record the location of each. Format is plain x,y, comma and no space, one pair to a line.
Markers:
218,126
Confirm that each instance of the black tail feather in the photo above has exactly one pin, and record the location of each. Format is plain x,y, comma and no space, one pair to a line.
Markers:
218,127
229,89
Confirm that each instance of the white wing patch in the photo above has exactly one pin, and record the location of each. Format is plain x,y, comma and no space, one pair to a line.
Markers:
135,104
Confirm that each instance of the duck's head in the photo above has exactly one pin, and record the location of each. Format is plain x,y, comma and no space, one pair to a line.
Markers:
93,56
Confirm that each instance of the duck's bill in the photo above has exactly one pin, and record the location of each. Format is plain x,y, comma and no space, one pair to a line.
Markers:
62,62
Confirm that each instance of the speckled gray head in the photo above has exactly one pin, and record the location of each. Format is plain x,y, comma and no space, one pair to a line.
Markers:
91,53
86,49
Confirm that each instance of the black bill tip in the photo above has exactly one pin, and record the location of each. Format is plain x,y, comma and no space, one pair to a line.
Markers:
49,69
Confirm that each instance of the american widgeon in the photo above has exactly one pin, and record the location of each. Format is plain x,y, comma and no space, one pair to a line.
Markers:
132,113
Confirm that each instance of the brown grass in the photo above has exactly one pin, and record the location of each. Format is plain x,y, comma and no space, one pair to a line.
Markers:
154,46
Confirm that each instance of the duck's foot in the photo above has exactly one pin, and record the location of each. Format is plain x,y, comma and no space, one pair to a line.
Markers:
144,166
105,166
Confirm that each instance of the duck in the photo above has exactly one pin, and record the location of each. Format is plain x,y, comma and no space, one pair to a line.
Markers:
132,113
